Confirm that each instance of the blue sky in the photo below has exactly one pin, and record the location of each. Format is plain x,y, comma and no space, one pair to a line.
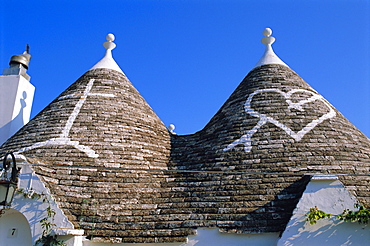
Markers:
187,57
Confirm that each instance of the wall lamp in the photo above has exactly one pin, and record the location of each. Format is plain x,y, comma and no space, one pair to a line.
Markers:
8,180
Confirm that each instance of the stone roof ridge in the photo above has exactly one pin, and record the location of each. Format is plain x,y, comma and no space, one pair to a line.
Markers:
269,57
107,61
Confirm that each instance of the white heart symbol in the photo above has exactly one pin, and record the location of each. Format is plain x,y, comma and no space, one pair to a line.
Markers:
246,139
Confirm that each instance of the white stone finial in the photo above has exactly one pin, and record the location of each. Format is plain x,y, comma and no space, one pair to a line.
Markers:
108,61
171,127
267,40
269,57
109,45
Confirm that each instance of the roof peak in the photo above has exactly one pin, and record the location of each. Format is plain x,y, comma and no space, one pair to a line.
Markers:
108,61
269,57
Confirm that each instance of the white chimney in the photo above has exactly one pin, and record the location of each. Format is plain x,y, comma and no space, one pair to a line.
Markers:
16,96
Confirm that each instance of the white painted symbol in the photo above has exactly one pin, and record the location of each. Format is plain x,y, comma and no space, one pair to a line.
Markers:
246,139
63,139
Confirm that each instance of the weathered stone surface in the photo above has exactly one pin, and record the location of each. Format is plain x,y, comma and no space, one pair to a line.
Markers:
120,174
268,180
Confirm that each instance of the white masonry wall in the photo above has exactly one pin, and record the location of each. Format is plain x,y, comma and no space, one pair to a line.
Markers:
207,237
34,210
16,97
330,196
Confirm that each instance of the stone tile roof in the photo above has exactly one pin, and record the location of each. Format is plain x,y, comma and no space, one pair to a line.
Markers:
116,171
103,153
253,152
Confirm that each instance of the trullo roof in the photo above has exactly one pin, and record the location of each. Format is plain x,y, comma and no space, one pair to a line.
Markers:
116,171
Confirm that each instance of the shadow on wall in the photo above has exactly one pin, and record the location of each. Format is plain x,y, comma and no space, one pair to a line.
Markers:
331,196
16,123
327,231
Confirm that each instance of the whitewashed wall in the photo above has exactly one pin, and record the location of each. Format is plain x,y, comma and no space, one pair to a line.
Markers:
212,237
14,229
329,195
16,97
34,210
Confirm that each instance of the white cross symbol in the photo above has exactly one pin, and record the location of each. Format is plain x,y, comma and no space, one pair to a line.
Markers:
63,138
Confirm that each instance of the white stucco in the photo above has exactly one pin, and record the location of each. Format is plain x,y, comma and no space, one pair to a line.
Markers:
210,237
107,61
14,229
206,237
16,97
269,57
329,195
35,209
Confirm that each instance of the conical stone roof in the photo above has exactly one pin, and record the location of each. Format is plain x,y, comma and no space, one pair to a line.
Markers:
102,152
101,119
252,161
116,171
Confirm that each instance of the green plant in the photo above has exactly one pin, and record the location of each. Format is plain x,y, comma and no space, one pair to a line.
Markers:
316,214
362,215
50,240
47,223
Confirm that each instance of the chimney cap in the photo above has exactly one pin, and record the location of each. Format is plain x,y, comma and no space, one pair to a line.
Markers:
23,59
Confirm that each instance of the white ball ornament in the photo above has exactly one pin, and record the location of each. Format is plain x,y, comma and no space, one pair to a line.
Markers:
171,127
110,37
267,32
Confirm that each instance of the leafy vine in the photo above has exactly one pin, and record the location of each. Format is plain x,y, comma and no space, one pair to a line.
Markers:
361,215
47,223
